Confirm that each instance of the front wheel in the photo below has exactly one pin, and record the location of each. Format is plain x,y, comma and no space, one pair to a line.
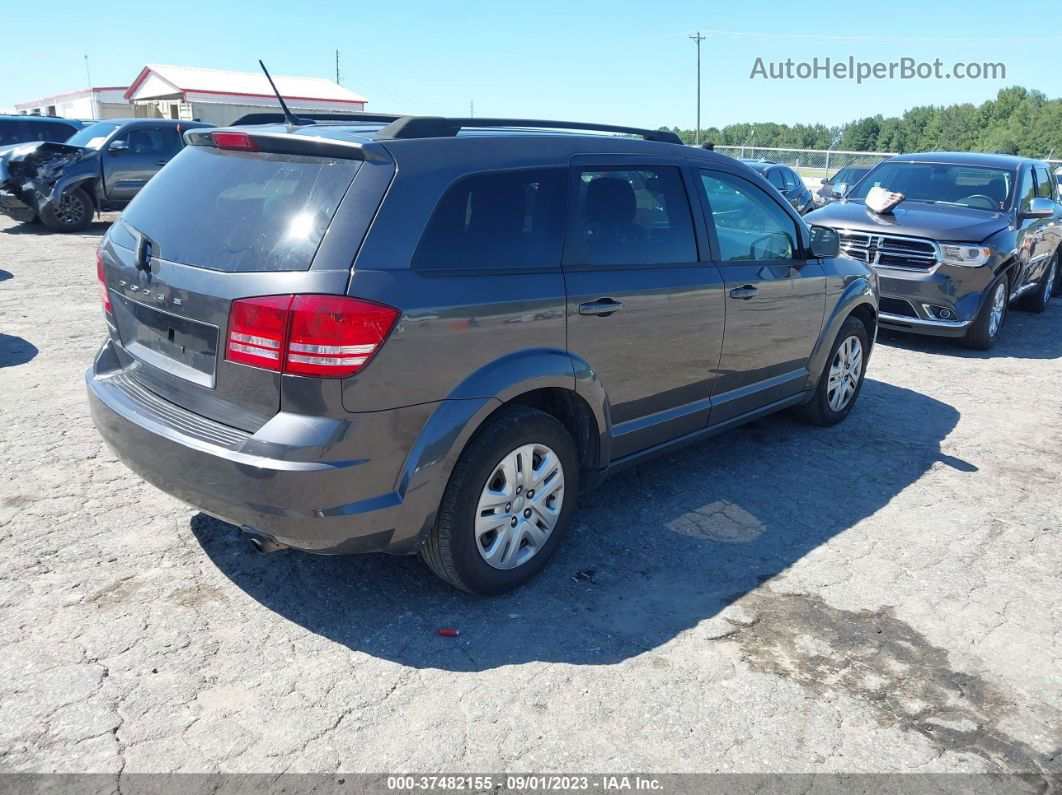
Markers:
842,380
984,331
508,504
71,212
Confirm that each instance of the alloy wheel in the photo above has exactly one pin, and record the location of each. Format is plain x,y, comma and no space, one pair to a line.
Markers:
519,506
845,370
69,210
999,306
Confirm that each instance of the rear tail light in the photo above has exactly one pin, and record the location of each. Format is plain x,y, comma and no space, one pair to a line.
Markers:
104,295
316,335
257,328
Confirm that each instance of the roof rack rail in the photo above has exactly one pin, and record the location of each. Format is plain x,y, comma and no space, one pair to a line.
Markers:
444,127
278,118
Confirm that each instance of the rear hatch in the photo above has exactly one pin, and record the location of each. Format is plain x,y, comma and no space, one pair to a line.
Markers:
214,226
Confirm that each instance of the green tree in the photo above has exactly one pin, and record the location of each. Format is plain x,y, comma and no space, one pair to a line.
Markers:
1017,121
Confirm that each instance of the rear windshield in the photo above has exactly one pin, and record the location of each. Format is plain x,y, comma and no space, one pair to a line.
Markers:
241,212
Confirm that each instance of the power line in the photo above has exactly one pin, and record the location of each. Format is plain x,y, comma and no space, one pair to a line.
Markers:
697,37
914,39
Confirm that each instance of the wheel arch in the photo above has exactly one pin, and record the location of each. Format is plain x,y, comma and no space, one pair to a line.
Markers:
544,379
73,182
859,300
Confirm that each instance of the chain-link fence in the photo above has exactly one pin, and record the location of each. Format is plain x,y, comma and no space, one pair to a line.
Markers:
814,165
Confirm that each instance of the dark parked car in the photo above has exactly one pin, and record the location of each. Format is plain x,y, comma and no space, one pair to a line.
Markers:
100,167
786,181
841,182
974,233
404,338
22,129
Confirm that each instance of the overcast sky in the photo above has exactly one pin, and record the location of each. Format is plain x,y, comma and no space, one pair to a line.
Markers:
579,59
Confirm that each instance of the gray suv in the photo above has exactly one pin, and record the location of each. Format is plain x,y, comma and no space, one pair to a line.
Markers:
973,234
429,335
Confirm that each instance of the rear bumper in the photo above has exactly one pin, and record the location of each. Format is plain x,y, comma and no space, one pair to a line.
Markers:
295,498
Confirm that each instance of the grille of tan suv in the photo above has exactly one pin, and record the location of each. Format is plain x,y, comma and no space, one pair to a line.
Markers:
889,251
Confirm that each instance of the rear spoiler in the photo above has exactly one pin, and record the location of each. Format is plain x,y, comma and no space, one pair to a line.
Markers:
279,118
277,143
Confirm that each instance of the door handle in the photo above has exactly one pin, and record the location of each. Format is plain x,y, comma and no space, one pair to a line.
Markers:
602,307
161,162
744,293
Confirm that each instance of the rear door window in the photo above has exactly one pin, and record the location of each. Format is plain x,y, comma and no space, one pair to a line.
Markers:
240,212
1045,187
632,216
509,220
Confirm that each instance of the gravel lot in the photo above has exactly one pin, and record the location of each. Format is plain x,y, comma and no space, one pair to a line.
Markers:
880,596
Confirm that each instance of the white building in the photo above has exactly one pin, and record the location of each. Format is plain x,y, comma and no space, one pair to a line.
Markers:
220,97
104,102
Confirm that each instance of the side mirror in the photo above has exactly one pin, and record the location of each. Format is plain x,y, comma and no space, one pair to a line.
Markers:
839,190
118,145
1040,208
825,242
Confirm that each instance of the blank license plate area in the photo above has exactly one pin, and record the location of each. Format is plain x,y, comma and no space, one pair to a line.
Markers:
185,348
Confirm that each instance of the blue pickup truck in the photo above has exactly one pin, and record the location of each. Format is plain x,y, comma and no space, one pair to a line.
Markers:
100,167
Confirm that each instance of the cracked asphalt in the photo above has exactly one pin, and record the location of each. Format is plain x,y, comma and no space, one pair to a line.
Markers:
880,596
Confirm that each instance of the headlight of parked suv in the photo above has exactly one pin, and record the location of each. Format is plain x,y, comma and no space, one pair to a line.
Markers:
964,254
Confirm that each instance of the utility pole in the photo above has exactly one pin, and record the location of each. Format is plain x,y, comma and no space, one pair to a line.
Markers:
697,37
92,95
337,66
471,109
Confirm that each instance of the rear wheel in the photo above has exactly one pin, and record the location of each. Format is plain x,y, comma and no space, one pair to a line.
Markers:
842,380
71,212
985,329
508,503
1038,299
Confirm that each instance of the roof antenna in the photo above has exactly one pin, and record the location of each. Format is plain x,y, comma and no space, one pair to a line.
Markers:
289,117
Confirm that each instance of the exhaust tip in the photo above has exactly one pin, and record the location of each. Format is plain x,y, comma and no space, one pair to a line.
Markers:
263,544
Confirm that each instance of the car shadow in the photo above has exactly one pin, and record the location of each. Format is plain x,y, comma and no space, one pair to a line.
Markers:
652,553
15,350
96,229
1025,335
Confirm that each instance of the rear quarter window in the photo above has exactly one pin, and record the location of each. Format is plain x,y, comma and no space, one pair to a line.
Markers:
241,212
509,220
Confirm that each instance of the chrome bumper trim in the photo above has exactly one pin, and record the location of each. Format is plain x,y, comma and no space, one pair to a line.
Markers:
919,322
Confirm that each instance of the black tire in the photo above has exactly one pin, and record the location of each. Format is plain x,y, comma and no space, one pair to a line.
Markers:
1037,300
979,336
452,551
818,411
71,213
